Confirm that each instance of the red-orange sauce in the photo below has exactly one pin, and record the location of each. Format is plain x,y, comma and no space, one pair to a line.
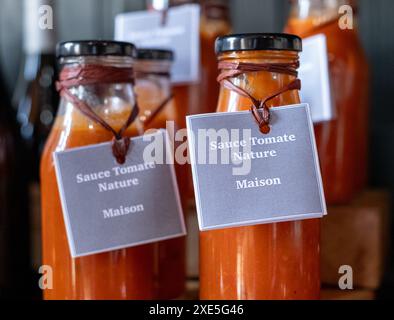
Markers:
120,274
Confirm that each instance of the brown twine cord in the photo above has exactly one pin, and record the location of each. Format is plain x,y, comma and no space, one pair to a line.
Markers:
233,69
98,74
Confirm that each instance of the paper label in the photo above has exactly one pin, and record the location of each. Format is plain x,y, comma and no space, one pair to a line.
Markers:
243,177
107,206
315,76
180,33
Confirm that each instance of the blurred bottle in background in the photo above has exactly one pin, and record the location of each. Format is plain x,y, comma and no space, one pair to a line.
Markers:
215,22
153,89
181,92
201,97
35,100
15,271
343,142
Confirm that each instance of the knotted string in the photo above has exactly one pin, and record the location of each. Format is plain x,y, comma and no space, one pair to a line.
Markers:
234,69
83,75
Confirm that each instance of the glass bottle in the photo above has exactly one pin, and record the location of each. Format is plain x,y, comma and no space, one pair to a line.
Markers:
120,274
215,22
271,261
35,101
343,142
154,92
183,93
15,271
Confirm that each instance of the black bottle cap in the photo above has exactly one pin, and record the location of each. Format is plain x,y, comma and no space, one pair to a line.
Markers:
258,41
95,48
155,54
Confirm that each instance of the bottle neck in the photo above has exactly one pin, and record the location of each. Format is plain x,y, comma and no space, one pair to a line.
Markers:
161,5
259,84
39,27
153,66
95,92
110,61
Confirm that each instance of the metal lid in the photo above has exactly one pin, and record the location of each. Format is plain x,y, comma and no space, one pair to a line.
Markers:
95,48
258,41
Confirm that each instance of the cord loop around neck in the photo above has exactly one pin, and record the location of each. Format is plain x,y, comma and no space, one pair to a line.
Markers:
231,70
81,75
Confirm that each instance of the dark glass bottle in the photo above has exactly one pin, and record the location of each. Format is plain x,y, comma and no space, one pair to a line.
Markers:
35,97
35,101
15,272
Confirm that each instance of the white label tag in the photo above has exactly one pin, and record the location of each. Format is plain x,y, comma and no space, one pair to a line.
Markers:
315,77
107,206
180,33
243,177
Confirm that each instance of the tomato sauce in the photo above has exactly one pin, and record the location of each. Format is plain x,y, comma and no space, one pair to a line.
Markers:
121,274
343,142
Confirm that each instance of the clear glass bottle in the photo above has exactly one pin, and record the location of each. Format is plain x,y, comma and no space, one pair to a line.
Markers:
154,92
35,100
343,142
120,274
272,261
215,22
15,269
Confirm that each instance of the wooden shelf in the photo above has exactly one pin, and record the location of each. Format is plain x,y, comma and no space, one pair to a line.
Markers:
326,294
356,235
